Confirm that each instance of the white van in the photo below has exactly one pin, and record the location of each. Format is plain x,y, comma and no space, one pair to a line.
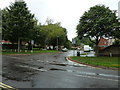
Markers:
86,48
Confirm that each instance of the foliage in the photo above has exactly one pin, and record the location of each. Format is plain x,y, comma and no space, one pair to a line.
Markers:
117,42
87,41
84,40
50,34
18,22
68,44
20,25
98,22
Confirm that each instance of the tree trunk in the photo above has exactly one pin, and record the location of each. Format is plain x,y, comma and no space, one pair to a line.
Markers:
96,47
96,50
18,44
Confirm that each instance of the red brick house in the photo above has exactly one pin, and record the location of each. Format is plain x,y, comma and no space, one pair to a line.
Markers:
103,43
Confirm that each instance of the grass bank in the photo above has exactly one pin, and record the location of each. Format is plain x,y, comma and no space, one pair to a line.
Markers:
29,52
99,61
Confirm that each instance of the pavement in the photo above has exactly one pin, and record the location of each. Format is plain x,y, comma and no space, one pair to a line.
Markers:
52,70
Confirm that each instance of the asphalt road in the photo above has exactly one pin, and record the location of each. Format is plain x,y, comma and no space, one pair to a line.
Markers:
52,70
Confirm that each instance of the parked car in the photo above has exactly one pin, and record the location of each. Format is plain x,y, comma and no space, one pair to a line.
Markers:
64,49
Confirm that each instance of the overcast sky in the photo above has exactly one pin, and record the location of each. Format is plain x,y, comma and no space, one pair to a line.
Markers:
68,12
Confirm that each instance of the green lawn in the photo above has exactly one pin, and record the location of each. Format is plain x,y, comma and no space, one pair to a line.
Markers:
29,52
99,61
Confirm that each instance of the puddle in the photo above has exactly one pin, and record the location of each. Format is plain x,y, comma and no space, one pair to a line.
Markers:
40,67
58,64
54,61
34,68
57,69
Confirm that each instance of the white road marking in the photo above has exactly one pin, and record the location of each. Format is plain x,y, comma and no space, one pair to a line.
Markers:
96,78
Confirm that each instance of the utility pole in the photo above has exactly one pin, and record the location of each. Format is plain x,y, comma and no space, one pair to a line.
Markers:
73,43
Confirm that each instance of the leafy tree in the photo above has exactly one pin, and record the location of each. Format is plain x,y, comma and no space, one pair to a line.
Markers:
41,36
18,23
68,44
83,41
56,33
51,33
5,29
77,41
87,41
98,22
117,42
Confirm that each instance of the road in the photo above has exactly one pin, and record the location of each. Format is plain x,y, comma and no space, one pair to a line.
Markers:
52,70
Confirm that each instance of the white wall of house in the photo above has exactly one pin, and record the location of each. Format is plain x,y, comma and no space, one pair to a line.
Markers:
111,41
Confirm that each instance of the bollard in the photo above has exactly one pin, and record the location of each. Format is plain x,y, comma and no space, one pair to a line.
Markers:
110,54
25,50
31,51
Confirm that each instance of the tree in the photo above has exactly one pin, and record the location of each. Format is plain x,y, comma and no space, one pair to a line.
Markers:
57,34
98,22
5,29
51,34
41,36
18,23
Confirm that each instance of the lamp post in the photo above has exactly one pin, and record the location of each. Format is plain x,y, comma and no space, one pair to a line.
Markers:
73,42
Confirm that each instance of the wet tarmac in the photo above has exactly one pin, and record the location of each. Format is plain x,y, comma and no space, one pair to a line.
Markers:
52,70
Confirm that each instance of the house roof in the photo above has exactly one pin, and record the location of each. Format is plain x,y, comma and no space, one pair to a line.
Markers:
103,42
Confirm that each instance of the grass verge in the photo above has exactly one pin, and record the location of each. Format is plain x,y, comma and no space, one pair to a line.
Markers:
99,61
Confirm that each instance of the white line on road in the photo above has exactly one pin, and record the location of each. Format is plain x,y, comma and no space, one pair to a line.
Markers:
97,78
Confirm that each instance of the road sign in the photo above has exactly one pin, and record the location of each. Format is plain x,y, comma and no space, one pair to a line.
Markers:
32,42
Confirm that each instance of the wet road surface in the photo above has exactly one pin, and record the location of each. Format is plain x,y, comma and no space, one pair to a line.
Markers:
52,70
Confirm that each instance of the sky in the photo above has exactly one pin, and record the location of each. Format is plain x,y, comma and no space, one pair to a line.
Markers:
68,12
